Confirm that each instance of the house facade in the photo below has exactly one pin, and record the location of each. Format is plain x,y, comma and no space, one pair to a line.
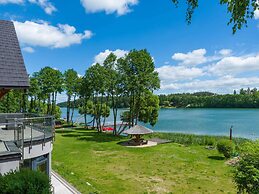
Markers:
26,140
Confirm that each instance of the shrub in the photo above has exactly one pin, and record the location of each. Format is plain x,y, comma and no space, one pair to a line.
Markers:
25,181
246,174
226,147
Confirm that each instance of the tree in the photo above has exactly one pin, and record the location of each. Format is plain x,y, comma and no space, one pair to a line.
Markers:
85,92
113,86
50,81
240,11
70,77
149,108
138,77
96,77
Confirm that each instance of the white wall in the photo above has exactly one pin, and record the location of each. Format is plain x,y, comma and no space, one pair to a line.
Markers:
37,150
8,166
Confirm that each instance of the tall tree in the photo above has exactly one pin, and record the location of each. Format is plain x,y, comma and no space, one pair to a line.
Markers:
139,77
96,76
113,88
70,84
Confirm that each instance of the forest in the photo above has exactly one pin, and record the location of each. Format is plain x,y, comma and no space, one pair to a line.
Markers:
245,98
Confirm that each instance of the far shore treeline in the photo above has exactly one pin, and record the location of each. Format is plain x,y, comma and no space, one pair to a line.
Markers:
245,98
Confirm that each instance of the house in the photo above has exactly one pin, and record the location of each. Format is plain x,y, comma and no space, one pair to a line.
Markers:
26,140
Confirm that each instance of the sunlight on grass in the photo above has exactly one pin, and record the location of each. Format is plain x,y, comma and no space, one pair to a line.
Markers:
94,162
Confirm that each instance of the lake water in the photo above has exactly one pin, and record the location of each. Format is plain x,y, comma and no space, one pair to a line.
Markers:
245,122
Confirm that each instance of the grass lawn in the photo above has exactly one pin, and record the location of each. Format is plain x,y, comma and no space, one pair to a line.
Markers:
95,163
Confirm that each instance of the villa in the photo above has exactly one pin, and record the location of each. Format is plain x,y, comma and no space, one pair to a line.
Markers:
26,140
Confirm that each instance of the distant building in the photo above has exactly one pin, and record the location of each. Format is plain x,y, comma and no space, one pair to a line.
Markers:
26,140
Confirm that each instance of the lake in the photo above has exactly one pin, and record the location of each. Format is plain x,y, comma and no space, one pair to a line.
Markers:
245,122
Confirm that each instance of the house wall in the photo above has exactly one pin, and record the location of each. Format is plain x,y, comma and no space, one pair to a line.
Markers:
9,166
39,150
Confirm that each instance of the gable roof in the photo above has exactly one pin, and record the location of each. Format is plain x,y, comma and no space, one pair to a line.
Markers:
13,74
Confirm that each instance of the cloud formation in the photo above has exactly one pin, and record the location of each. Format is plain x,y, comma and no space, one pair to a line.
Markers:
28,49
102,55
221,72
11,1
194,57
177,73
121,7
256,14
45,35
46,5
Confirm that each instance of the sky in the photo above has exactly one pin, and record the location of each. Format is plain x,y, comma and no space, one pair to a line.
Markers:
202,56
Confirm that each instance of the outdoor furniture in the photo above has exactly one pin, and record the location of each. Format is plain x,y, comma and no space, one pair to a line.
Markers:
136,132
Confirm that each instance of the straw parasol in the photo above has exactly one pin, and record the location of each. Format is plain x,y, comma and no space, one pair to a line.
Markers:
137,131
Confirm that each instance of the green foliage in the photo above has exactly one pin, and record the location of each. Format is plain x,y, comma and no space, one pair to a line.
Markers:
25,181
226,147
191,139
246,174
139,79
240,11
246,99
149,108
12,102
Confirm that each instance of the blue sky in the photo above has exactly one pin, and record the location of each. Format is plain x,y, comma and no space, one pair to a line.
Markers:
202,56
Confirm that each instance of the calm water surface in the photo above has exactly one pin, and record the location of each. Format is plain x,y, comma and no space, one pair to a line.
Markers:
203,121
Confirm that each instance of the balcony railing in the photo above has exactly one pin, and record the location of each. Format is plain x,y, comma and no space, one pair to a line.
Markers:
26,128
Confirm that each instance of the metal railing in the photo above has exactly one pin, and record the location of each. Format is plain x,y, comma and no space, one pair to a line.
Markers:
26,128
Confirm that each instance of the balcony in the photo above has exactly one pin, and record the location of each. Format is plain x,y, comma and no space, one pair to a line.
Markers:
19,131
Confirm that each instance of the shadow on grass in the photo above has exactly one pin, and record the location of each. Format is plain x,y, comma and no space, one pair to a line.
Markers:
216,157
63,131
92,136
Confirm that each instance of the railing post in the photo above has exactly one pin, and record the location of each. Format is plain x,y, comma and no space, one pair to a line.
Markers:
30,147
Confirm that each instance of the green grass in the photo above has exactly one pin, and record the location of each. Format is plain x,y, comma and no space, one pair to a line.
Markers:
95,163
191,139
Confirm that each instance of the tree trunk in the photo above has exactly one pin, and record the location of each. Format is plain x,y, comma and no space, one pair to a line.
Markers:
53,104
68,108
73,109
48,108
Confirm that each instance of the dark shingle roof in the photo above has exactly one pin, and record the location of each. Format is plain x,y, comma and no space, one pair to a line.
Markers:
13,73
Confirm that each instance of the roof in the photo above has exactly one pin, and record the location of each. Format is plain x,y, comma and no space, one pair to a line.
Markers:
138,130
13,73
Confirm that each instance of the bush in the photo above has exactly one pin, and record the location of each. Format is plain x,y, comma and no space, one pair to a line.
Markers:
25,182
246,174
226,147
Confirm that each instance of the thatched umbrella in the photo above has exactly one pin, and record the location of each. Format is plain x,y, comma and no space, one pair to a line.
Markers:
137,131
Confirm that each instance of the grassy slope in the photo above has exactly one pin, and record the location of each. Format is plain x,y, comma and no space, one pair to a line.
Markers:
84,157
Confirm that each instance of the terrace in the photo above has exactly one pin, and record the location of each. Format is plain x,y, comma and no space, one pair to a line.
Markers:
26,140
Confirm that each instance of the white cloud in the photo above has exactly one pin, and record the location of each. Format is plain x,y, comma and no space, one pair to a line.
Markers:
226,84
222,72
48,7
176,73
45,35
11,1
28,49
102,55
121,7
225,52
194,57
233,65
256,14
